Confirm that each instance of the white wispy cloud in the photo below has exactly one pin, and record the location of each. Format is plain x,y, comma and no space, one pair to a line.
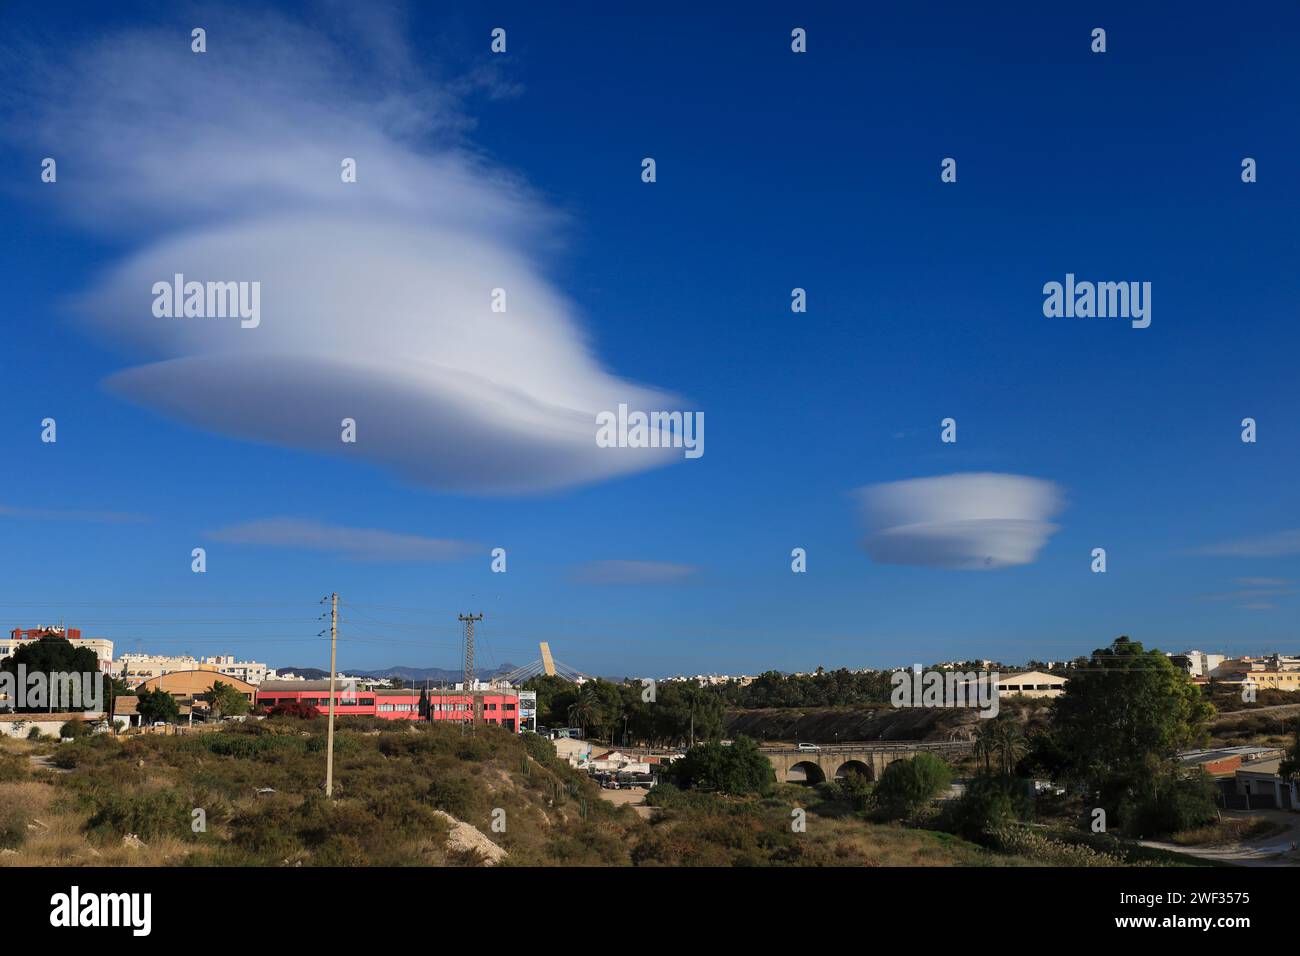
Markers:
633,572
358,544
375,295
969,522
1276,544
1245,593
94,517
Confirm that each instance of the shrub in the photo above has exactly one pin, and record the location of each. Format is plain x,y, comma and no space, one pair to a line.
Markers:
74,729
985,806
1167,804
907,785
855,789
34,734
454,793
1040,848
13,825
296,709
148,815
13,767
539,748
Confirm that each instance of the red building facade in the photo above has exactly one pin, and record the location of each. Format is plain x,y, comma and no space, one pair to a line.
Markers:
496,706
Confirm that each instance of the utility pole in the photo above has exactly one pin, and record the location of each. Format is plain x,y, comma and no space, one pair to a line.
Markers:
469,620
329,744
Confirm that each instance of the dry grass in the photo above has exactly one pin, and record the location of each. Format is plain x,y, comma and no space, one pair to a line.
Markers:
1226,831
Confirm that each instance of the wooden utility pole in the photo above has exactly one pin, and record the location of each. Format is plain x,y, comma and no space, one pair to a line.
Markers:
329,743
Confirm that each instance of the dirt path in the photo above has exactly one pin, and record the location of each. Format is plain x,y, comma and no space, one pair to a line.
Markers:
1246,712
634,798
1272,850
42,761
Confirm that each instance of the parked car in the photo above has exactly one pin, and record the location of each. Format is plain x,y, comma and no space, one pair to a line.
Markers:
807,748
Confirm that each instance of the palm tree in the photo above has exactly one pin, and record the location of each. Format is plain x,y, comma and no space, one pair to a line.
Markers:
1010,742
985,734
583,709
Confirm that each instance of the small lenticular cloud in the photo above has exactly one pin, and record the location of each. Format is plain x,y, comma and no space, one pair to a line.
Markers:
969,522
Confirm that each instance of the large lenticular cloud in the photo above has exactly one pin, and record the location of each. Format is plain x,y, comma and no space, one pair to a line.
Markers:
965,522
375,296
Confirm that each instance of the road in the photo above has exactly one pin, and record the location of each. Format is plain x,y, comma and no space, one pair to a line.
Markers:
1273,850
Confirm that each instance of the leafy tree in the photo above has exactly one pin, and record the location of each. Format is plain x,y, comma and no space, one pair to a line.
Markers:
55,655
155,705
909,784
225,701
686,712
1118,726
554,695
422,707
739,769
1127,705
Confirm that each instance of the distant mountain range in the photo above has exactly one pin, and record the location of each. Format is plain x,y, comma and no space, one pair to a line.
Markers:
434,675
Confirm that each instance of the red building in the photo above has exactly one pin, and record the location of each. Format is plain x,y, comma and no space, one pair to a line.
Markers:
36,633
496,706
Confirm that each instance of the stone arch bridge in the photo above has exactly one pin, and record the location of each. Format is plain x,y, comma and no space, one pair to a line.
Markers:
869,759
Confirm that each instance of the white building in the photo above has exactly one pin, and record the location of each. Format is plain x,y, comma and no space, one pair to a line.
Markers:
254,672
137,668
1200,664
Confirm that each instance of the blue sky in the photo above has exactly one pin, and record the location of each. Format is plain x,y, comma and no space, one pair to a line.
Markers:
774,170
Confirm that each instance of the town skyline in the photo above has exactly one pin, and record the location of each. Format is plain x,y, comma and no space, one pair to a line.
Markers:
830,521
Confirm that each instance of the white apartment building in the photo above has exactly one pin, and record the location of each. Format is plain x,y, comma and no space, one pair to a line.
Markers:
1200,664
136,668
252,671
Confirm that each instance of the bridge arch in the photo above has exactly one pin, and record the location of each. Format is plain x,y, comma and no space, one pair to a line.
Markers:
857,767
805,771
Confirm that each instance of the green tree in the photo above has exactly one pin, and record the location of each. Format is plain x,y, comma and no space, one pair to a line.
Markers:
225,701
909,784
1009,743
585,708
1118,726
155,705
739,769
986,744
56,655
686,712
